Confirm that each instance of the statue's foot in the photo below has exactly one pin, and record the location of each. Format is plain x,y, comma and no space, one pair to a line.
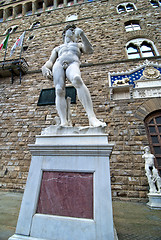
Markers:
66,124
56,121
153,191
94,122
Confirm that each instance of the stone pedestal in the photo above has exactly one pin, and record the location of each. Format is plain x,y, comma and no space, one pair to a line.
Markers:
68,191
154,200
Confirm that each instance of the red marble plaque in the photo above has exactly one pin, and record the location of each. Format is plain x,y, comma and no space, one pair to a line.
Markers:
66,194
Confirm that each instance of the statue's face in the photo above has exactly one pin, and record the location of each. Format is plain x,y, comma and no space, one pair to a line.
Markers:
146,149
70,34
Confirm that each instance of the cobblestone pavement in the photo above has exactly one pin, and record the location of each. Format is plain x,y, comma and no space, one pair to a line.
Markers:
136,221
9,210
133,221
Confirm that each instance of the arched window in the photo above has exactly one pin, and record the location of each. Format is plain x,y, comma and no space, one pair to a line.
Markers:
35,25
130,7
138,48
125,7
121,9
147,49
153,128
155,3
132,26
133,51
11,29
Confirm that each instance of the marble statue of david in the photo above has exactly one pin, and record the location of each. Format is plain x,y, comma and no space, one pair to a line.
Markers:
63,63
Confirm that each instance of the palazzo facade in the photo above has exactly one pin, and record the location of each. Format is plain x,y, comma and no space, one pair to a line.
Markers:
123,76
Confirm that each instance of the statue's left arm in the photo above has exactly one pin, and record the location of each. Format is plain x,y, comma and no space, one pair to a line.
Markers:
86,45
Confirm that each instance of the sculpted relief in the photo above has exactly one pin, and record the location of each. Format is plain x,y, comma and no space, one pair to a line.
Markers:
151,72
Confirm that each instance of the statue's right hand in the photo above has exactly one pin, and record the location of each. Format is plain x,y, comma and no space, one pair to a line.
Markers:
46,72
78,32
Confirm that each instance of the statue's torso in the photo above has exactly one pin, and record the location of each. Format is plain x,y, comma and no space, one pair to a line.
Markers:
69,52
149,159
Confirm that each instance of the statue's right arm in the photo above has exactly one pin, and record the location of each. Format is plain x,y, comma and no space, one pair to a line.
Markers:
47,67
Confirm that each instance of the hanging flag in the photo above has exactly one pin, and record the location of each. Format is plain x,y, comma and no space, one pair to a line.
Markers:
18,43
4,43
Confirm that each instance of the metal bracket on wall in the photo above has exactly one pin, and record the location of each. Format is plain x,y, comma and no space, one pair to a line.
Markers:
14,67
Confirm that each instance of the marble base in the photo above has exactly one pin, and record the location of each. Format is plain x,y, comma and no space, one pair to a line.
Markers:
154,201
18,237
49,209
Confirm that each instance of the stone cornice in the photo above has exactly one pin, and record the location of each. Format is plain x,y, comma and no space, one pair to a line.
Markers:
74,150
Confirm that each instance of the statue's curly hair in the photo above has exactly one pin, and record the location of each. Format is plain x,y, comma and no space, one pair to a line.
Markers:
68,27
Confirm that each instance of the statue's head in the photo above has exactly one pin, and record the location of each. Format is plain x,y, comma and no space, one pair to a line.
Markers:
69,26
147,149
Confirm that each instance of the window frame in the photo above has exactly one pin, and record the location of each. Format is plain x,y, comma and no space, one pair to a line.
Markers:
148,123
130,9
132,24
11,29
125,7
138,42
34,25
137,52
154,6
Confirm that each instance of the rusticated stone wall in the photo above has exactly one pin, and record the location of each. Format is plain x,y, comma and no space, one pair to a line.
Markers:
21,118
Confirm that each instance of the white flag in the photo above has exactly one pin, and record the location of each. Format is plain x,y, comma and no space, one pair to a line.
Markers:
18,43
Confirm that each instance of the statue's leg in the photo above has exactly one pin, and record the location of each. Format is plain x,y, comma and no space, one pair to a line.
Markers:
74,75
152,187
59,82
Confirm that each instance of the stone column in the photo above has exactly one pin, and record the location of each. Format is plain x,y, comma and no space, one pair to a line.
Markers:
14,12
65,2
23,10
55,3
4,14
33,7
